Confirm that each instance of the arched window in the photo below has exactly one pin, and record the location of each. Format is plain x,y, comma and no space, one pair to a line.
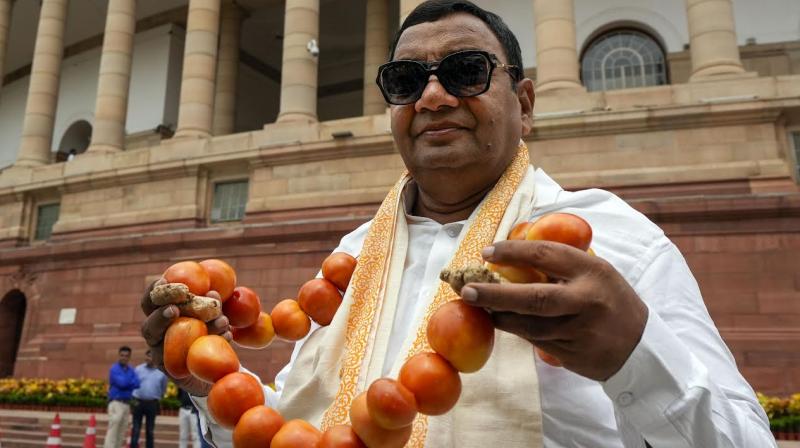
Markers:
621,59
74,141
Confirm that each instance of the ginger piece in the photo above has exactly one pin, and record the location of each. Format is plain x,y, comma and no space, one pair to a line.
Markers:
203,308
170,293
474,272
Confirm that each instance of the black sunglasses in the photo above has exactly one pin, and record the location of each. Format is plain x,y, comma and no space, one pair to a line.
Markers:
462,74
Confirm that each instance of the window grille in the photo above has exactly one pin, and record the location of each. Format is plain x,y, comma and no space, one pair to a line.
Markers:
229,201
46,217
623,59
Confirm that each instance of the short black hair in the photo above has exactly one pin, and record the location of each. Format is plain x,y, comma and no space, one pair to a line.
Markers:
124,348
433,10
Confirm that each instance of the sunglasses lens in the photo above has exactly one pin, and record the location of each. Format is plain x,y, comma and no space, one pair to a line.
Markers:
402,82
465,74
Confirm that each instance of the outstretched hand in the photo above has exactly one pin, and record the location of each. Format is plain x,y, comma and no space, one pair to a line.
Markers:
155,326
591,319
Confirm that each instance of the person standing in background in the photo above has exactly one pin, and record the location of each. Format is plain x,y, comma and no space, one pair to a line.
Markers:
187,422
147,398
122,381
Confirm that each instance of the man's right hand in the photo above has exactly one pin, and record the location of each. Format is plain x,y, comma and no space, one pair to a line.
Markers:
155,326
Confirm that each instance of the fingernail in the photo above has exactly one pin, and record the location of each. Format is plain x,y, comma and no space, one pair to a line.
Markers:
169,313
487,252
469,294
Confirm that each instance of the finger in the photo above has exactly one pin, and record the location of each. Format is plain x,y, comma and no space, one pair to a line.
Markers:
156,324
532,327
157,353
219,325
554,259
228,336
538,299
214,295
146,304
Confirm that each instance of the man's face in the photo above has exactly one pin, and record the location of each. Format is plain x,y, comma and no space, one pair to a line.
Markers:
471,139
124,357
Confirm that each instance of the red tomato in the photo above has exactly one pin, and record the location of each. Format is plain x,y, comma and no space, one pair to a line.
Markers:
370,433
297,434
258,335
341,436
242,308
390,404
563,228
338,269
519,231
191,274
232,396
211,357
222,277
178,339
320,299
462,334
433,381
289,321
256,427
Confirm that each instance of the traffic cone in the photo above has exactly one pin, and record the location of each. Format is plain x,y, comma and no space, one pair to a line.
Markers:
54,441
90,439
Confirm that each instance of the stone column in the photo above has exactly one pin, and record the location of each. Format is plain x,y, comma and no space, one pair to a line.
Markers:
40,108
300,66
712,38
111,107
196,112
406,6
556,49
376,50
5,18
227,68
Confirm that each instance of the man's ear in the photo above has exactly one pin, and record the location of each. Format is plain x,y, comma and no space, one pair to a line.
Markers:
526,98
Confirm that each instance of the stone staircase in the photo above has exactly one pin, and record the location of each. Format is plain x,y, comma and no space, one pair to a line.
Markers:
25,429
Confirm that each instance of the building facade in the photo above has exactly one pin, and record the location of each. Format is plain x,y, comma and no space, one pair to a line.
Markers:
137,133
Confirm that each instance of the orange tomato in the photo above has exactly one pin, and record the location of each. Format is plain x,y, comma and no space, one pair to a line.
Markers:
297,434
258,335
462,334
341,436
191,274
433,381
370,432
548,358
519,231
179,337
242,308
256,427
518,274
390,404
289,321
563,228
222,277
338,268
320,299
231,396
211,357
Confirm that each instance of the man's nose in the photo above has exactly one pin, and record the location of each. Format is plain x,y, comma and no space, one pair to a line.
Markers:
435,97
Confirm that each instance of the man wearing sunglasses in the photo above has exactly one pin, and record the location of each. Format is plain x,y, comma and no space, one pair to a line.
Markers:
629,325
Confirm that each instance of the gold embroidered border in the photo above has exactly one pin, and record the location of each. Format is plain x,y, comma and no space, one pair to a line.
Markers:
366,284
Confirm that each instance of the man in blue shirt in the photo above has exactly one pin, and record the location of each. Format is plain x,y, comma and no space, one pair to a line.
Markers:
146,403
122,381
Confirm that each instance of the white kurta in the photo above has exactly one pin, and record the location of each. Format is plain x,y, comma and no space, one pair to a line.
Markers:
664,393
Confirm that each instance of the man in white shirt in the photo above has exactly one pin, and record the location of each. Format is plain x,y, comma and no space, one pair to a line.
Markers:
637,344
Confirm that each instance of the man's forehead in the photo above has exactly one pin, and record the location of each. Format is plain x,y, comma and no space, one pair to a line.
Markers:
434,40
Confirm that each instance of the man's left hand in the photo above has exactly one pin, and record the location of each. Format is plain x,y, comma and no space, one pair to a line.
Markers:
591,319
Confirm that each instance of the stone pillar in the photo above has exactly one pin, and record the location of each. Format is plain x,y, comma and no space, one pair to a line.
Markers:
227,68
712,38
556,49
406,6
196,112
40,108
376,50
300,66
111,107
5,18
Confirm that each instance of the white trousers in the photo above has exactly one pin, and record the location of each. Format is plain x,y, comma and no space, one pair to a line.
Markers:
118,413
187,424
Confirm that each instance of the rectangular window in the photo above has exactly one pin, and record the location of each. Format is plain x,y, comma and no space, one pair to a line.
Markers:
46,217
229,201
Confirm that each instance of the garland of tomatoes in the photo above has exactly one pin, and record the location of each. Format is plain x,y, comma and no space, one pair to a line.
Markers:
461,336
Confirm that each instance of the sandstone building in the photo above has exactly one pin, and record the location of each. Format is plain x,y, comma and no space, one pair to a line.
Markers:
137,133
